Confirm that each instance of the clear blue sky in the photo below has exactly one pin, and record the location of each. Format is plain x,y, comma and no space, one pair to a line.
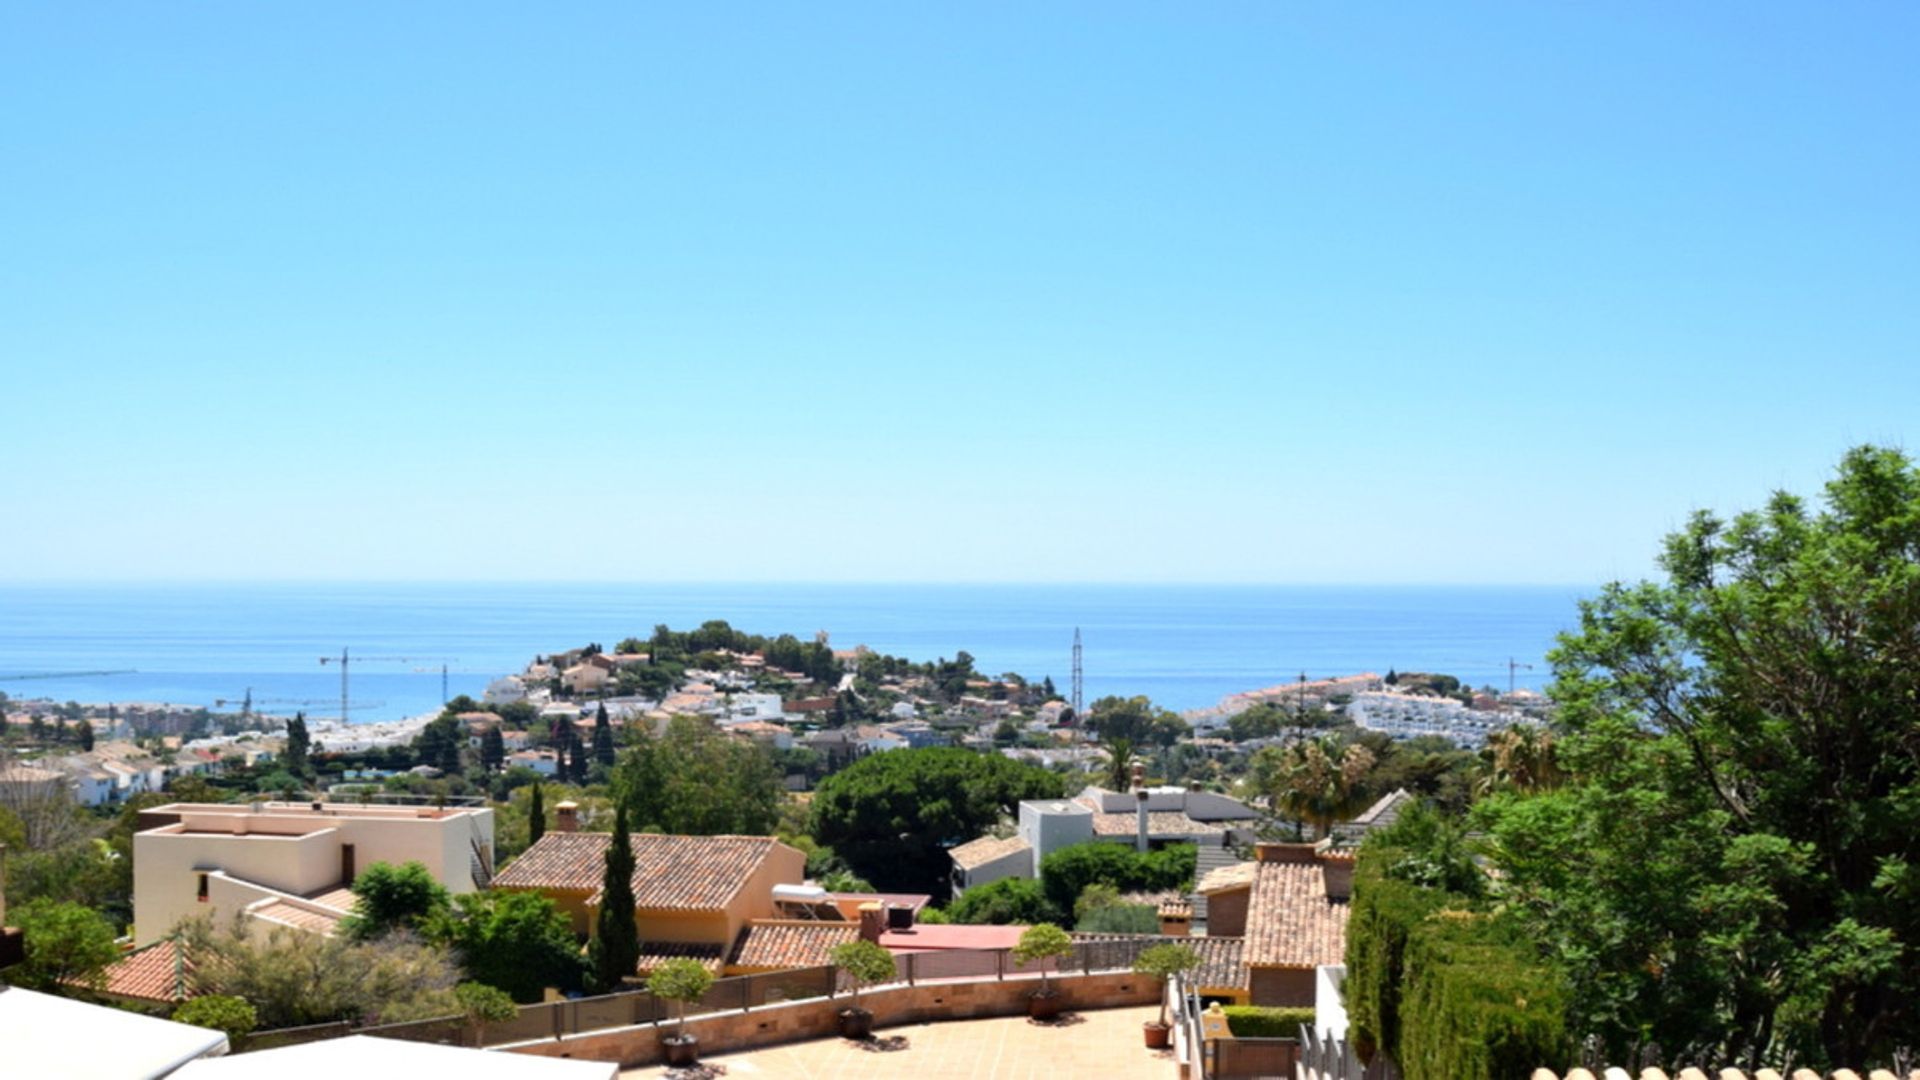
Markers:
1110,292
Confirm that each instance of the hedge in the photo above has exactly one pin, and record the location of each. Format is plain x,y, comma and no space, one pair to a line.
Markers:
1067,873
1449,992
1267,1022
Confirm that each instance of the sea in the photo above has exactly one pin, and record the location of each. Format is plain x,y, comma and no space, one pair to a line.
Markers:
1184,646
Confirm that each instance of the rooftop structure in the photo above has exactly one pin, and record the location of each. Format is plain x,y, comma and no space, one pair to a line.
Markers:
289,863
367,1057
47,1036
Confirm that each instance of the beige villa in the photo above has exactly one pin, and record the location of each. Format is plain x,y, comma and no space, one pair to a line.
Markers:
291,863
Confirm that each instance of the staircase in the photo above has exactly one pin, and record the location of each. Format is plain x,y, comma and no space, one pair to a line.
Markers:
482,864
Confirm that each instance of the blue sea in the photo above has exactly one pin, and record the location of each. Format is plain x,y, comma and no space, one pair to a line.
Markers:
1184,646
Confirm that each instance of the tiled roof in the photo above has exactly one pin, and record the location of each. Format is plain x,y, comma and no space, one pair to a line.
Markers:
1290,921
1222,878
790,943
980,852
305,918
655,953
671,873
1220,957
1159,823
150,974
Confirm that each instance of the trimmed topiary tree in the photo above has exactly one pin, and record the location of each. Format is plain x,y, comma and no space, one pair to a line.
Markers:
1163,962
1042,942
680,981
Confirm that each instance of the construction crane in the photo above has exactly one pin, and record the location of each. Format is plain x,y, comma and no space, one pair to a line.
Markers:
345,661
248,701
1513,666
65,674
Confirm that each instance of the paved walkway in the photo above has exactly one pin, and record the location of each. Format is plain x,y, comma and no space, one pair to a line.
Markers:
1105,1043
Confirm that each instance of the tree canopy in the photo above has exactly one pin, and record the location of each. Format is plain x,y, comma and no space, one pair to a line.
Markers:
516,941
1729,868
698,781
389,898
892,816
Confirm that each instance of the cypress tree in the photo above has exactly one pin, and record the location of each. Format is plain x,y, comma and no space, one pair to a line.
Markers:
493,749
617,948
602,737
86,736
298,743
536,817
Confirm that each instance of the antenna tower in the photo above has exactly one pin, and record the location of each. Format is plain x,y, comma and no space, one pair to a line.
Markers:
1078,720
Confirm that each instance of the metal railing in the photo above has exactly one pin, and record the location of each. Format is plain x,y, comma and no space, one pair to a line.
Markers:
575,1016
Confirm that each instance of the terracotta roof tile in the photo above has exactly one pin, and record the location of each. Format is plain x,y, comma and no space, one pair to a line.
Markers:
1159,823
1290,921
1220,967
790,943
654,953
150,974
671,873
280,911
1224,878
980,852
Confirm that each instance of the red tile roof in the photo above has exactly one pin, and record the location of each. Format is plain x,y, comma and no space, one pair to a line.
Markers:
671,873
280,911
655,953
927,937
790,943
158,973
1290,921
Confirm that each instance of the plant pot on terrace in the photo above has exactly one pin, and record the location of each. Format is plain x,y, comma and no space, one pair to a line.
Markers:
1163,962
1043,942
865,963
682,1050
856,1024
680,981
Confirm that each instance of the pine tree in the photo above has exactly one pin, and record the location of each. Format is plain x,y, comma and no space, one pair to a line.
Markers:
298,743
493,749
617,948
536,817
602,737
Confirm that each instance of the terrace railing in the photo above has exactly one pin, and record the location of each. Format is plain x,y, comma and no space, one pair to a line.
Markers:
739,992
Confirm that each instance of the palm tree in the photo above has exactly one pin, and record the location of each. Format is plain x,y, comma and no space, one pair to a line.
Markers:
1317,782
1521,758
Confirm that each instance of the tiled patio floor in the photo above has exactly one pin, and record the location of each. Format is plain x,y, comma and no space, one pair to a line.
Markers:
1105,1043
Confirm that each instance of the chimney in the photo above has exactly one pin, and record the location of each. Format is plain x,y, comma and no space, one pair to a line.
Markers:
1285,853
566,817
1140,804
1336,871
1176,918
873,921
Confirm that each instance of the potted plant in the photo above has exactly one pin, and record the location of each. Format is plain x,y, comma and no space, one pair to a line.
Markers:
1163,962
680,981
483,1005
1043,942
866,963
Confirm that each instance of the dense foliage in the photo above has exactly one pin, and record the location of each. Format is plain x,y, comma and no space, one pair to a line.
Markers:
1268,1021
64,942
1449,991
1006,902
517,941
388,898
221,1012
1729,869
892,816
695,780
1067,873
294,977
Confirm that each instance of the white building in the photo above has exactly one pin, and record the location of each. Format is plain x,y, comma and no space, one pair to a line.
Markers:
291,863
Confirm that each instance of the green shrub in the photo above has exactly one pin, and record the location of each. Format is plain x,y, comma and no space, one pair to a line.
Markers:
1449,992
1069,871
1120,919
221,1012
1267,1022
1009,901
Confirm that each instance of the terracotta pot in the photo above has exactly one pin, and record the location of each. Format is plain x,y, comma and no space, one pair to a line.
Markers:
1157,1033
1044,1006
856,1024
682,1050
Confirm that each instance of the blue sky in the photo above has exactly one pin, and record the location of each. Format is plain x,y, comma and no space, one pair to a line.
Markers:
1094,292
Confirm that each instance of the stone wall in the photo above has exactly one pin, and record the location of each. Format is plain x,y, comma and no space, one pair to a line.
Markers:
768,1025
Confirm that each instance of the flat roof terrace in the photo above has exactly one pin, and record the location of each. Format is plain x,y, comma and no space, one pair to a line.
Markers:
1104,1043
